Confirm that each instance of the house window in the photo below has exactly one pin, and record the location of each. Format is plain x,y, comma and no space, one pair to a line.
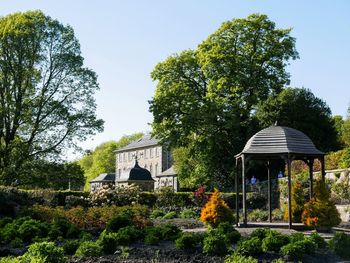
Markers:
151,152
151,169
145,154
129,156
157,152
156,169
124,157
119,172
120,157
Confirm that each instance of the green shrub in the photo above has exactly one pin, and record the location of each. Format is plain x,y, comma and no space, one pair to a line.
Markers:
298,249
85,236
258,215
318,240
127,235
274,242
277,214
294,237
10,260
256,201
215,244
44,252
188,213
89,249
186,241
230,233
261,233
73,232
157,213
70,247
117,222
4,221
235,258
249,247
152,235
169,232
17,242
30,229
9,232
340,244
170,215
62,225
108,242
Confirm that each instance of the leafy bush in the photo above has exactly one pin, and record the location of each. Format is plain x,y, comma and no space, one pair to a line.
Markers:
152,235
10,260
294,237
340,244
4,221
216,210
170,215
169,232
215,244
44,252
297,203
108,242
256,200
127,235
277,214
261,233
188,213
157,213
89,249
235,258
298,249
30,229
258,215
231,234
85,236
274,242
249,247
117,222
318,240
320,211
70,247
186,241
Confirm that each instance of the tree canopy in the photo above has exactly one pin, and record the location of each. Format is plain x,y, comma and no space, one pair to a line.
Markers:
205,98
301,109
102,158
46,93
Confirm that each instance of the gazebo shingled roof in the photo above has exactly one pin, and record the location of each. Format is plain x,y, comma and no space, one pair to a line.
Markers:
279,139
278,142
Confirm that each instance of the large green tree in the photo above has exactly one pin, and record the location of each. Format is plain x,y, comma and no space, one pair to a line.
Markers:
301,109
205,98
46,93
346,130
102,158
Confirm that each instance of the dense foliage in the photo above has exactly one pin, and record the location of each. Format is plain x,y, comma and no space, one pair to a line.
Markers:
205,97
47,93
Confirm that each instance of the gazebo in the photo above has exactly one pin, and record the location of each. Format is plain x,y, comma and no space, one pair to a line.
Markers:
277,142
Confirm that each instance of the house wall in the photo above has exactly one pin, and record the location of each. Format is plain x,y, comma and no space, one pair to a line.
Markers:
155,159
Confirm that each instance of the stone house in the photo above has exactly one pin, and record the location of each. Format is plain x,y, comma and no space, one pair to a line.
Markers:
150,155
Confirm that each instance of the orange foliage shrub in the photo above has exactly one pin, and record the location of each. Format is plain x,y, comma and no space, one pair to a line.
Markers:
216,211
320,211
298,202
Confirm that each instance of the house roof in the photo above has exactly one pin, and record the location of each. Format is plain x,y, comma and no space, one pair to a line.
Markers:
146,141
138,173
105,177
169,172
279,140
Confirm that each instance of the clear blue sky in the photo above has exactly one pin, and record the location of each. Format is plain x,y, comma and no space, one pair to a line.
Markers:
123,40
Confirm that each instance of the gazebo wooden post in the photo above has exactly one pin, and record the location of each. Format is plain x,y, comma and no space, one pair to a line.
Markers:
323,173
289,191
237,192
269,191
311,165
244,197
